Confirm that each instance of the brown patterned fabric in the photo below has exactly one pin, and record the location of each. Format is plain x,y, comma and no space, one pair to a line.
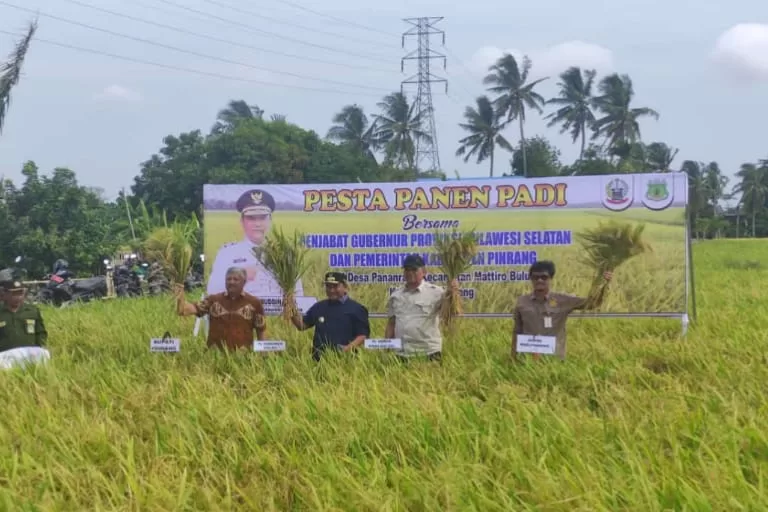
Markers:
232,320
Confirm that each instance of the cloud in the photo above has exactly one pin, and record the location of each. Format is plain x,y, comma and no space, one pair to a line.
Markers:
742,51
549,61
117,93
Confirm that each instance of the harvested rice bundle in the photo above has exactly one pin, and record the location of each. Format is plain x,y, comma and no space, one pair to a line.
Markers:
285,257
607,247
456,249
171,246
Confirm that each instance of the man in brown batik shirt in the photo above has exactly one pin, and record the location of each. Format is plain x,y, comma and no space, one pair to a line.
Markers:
233,314
544,312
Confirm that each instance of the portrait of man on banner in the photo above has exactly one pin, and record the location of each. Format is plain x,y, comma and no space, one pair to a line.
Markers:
256,207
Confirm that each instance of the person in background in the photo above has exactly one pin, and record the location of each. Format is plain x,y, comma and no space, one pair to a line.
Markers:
21,324
544,312
234,314
413,313
340,323
255,208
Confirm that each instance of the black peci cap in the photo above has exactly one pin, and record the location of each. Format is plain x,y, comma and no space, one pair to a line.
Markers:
335,278
255,202
413,261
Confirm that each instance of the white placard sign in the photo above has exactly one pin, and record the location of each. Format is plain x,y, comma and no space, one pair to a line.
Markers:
533,344
165,345
273,304
384,344
268,346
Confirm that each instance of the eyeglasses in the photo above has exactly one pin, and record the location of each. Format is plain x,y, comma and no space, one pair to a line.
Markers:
539,277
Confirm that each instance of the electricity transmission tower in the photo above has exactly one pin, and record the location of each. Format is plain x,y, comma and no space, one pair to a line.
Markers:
427,157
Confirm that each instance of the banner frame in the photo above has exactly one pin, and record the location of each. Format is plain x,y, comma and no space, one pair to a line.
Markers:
686,316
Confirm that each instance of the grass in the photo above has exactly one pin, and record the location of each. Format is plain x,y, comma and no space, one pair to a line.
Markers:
635,419
653,282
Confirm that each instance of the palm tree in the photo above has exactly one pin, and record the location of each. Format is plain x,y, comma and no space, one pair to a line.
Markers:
753,189
619,124
10,71
514,93
659,156
399,127
351,128
575,103
236,111
485,132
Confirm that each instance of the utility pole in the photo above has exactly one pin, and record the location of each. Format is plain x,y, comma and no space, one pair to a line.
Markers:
427,156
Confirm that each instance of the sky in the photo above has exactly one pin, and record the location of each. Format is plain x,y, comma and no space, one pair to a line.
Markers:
704,69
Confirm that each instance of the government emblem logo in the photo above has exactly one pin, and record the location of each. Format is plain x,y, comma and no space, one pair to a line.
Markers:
617,193
658,192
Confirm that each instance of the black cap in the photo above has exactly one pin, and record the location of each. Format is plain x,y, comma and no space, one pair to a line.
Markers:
11,285
335,278
255,201
9,281
413,261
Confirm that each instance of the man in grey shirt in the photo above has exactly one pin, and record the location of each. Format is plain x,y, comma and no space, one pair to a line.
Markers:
413,313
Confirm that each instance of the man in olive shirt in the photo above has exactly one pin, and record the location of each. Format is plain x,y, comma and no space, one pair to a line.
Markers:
544,312
21,324
413,313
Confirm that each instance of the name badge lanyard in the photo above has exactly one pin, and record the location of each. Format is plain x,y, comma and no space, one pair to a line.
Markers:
547,315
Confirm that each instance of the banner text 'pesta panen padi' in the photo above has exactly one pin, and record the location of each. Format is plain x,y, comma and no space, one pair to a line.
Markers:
366,229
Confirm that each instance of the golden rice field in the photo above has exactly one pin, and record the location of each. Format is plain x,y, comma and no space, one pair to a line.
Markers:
635,419
652,282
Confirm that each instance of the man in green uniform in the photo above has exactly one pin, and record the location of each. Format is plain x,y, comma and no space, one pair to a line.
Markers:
21,325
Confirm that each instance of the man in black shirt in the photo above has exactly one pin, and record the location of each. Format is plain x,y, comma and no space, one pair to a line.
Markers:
340,323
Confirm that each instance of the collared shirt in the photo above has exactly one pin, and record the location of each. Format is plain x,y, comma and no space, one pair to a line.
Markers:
233,319
337,322
22,328
240,254
530,313
417,318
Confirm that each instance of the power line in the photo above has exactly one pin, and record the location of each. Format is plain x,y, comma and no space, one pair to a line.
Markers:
273,34
422,28
334,18
291,24
188,70
220,40
189,52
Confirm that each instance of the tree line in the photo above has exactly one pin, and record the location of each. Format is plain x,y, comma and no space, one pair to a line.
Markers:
246,146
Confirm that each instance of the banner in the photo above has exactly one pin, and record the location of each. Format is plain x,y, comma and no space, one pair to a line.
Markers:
366,229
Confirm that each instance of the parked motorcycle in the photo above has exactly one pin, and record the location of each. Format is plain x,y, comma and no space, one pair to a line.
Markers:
62,290
127,282
157,282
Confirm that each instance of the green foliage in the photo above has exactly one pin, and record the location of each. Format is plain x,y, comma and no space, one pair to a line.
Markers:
33,223
542,157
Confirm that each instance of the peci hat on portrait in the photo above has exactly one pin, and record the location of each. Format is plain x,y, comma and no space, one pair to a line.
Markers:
335,278
255,202
413,262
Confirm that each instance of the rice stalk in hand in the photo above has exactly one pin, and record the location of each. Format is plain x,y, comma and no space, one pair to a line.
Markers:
607,247
284,256
171,246
455,249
